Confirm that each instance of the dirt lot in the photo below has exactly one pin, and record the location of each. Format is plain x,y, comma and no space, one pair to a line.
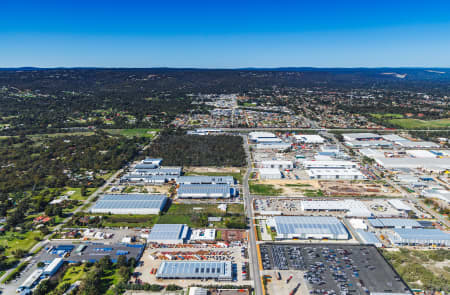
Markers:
292,187
230,235
348,188
212,169
280,287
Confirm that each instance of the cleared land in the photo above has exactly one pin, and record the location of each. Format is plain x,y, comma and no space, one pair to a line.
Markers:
196,215
138,132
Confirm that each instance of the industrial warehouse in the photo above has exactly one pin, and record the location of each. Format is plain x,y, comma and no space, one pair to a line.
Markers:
405,236
351,208
308,227
169,234
335,174
263,137
130,204
217,270
205,180
205,191
394,223
150,172
89,252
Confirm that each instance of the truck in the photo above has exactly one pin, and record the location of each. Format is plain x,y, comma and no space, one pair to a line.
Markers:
295,289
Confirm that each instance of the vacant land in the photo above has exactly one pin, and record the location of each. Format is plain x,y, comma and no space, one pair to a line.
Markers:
428,270
420,124
129,220
138,132
13,241
387,115
196,215
264,189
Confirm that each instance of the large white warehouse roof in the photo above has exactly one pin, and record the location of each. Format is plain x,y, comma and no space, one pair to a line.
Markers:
352,207
130,204
306,227
168,233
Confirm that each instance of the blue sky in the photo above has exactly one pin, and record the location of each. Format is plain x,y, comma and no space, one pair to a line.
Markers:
225,34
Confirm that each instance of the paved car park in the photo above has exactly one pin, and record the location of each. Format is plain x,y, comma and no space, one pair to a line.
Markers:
332,269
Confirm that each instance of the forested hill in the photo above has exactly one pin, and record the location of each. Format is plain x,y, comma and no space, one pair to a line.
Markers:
49,100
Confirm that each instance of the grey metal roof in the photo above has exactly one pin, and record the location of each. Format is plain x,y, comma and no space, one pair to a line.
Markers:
195,269
146,176
393,137
309,225
364,135
208,190
152,160
166,232
418,236
159,171
368,237
394,222
206,179
146,166
131,201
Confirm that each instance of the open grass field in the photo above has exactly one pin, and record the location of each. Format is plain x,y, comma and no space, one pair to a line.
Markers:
190,214
117,220
138,132
189,209
13,241
264,189
74,193
386,116
420,124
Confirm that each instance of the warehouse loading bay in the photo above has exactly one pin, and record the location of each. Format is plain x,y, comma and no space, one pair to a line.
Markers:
328,269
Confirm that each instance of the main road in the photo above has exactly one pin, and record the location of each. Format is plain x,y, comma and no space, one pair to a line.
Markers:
253,251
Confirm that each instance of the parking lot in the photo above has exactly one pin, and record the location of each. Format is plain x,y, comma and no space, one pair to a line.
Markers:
331,269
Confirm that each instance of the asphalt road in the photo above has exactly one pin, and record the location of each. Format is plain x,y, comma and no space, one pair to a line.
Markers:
253,251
